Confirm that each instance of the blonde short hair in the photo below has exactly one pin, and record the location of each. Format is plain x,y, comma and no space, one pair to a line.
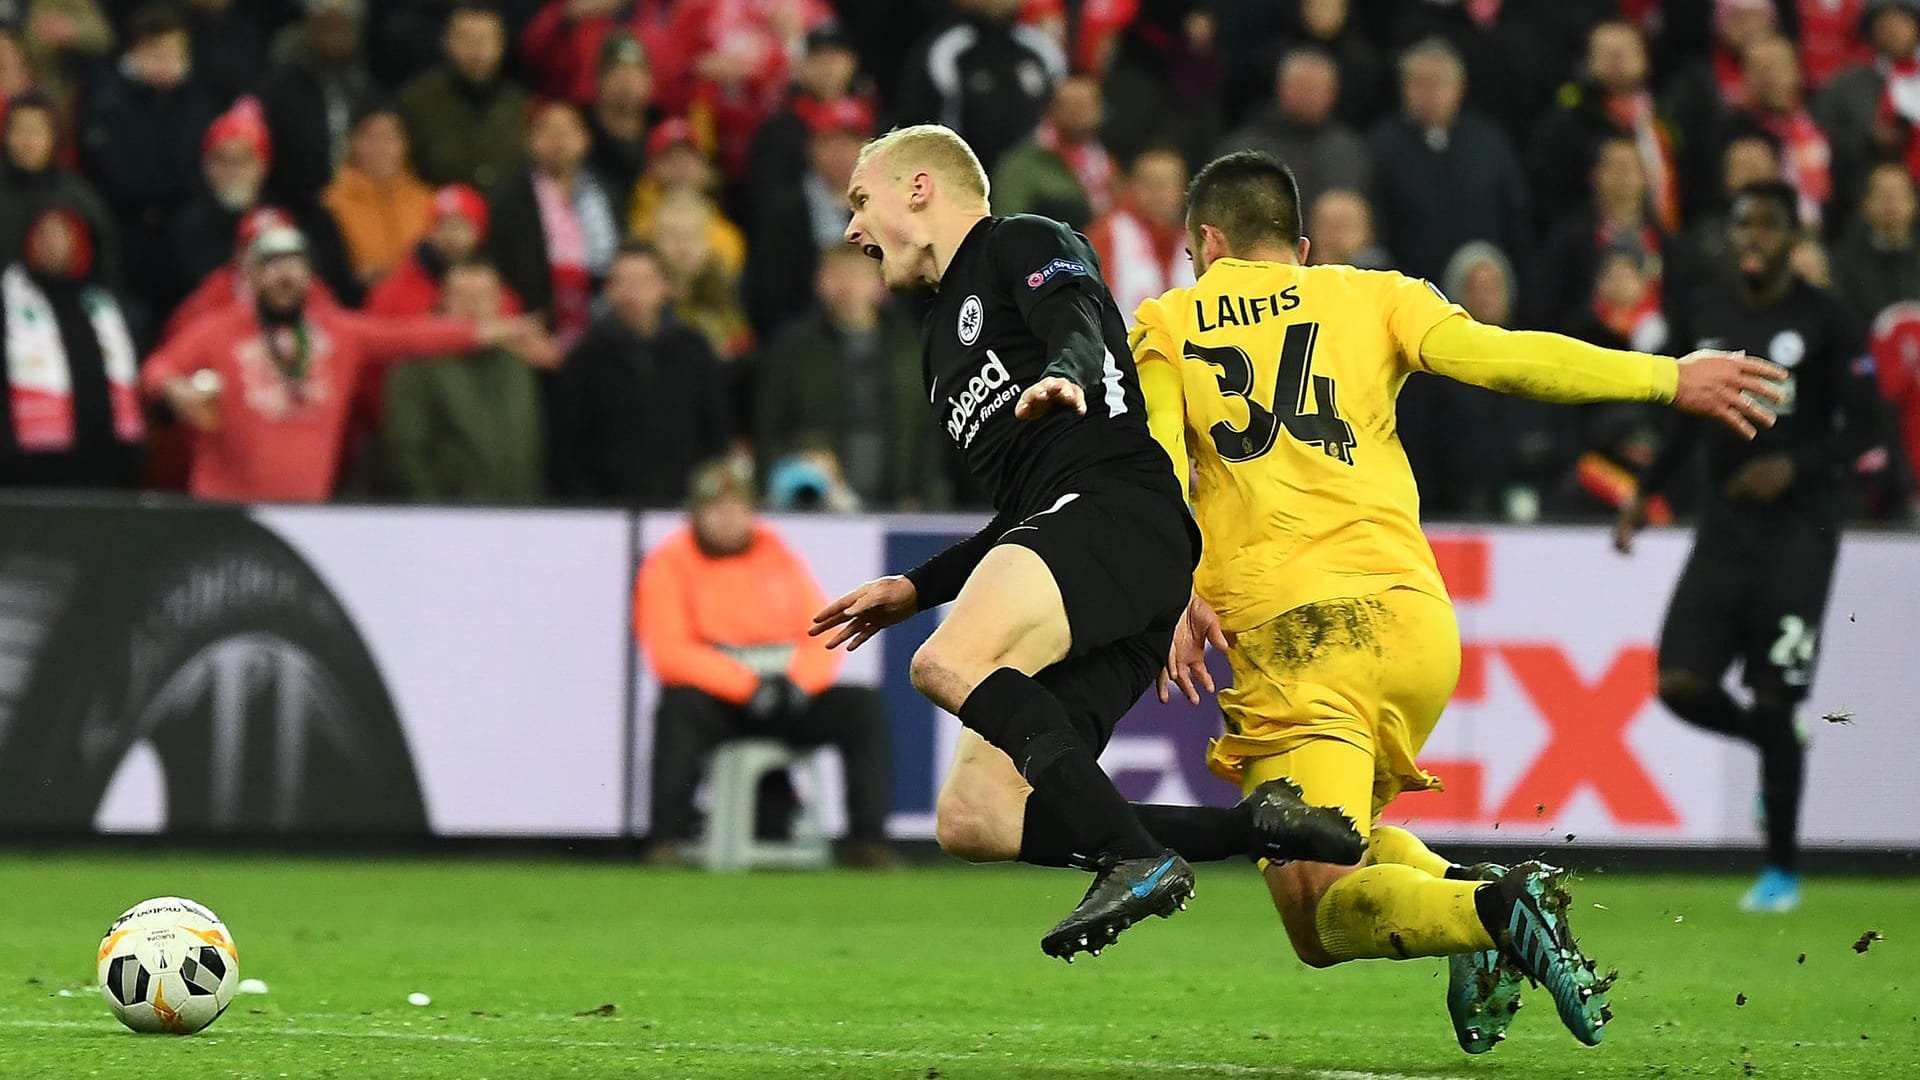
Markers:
938,149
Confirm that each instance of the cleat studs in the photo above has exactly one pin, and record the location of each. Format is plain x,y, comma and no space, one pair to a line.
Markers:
1083,941
1501,1037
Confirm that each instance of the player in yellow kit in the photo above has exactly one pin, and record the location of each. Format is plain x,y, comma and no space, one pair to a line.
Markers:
1277,381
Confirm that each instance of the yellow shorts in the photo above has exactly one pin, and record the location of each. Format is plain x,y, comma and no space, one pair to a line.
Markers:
1339,696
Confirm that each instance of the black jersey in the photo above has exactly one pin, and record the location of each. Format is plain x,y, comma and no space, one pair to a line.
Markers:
1825,423
1014,288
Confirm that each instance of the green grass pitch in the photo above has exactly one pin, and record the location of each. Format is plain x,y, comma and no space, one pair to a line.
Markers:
932,973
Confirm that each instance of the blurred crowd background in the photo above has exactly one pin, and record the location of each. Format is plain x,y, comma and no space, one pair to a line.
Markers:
659,183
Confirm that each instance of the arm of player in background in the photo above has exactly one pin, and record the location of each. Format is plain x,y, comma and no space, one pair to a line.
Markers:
938,580
1857,407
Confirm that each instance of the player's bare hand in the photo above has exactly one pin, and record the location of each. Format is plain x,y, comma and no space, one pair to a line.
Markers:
1187,656
1761,480
856,617
1733,388
1044,396
1633,518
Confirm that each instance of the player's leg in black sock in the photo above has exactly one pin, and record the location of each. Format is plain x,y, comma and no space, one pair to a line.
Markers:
1199,833
1045,839
1026,722
1783,764
1195,833
1706,704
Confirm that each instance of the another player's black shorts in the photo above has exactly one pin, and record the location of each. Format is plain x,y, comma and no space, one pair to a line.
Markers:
1123,556
1760,602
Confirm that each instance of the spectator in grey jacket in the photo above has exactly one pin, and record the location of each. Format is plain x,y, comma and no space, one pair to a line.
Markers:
1447,176
1299,127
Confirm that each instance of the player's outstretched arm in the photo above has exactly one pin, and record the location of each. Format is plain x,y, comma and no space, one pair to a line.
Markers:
1729,387
1732,388
1187,656
856,617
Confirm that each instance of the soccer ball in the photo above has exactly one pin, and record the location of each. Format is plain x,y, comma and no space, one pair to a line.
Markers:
168,965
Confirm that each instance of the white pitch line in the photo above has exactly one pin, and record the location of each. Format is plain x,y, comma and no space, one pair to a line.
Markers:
836,1054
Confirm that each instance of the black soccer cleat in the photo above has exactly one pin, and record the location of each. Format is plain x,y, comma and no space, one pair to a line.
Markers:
1287,828
1534,934
1123,893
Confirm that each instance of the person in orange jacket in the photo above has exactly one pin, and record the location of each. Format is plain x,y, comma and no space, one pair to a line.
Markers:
721,610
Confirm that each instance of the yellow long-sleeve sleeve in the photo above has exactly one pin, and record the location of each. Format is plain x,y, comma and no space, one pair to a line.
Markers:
1543,366
1166,411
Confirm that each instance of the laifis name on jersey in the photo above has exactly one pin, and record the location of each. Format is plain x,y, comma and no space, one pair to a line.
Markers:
1243,310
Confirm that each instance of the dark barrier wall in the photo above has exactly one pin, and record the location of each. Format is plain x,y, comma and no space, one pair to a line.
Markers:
200,635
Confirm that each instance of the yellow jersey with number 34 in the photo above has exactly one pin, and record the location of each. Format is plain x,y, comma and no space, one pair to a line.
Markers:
1289,376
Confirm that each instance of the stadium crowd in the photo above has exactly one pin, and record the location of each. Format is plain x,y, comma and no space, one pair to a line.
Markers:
230,227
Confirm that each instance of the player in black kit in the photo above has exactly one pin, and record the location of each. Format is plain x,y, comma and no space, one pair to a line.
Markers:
1755,586
1064,606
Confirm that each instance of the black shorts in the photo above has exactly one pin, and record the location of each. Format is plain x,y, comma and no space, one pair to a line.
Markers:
1123,556
1760,604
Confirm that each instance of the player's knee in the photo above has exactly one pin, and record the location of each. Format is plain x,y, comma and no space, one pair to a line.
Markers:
1678,688
939,673
967,829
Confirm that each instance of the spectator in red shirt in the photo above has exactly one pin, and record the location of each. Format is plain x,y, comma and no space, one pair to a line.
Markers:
740,73
235,156
721,609
458,229
1895,345
562,45
1829,37
266,385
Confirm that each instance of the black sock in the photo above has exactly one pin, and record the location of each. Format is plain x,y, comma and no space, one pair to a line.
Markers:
1029,724
1199,833
1195,833
1783,763
1045,839
1492,909
1712,708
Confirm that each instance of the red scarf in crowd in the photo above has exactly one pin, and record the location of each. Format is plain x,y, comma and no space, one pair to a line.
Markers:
1900,103
1726,74
1140,259
37,372
1088,161
1634,114
1806,159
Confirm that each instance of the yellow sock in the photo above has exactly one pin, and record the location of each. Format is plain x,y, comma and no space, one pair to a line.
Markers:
1398,912
1400,847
